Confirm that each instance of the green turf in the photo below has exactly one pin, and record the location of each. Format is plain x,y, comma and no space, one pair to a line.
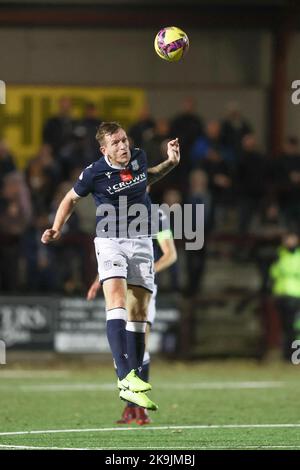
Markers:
188,396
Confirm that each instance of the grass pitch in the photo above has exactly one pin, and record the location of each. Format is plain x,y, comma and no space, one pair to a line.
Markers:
203,406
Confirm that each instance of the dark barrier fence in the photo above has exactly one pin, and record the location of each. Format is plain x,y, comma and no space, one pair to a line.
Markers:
74,325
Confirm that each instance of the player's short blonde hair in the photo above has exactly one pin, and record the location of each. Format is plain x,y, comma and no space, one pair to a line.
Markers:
107,128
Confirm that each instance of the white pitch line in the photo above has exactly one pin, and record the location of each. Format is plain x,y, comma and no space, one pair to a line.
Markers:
4,446
243,446
153,428
221,385
32,374
78,387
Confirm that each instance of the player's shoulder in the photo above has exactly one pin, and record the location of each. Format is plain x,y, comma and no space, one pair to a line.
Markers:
94,168
137,152
138,158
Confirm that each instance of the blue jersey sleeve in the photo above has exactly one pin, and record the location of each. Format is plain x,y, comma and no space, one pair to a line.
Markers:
84,184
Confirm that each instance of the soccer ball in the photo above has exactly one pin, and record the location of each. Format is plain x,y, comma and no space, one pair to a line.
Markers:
171,43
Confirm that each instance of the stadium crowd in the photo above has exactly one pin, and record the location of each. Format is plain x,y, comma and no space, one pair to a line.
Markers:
248,195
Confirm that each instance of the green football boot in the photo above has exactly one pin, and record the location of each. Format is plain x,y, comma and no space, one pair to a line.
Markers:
139,398
133,383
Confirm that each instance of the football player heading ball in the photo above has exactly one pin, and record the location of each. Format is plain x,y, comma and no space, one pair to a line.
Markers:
124,264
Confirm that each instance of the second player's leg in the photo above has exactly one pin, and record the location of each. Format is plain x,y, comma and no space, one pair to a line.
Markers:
137,309
137,303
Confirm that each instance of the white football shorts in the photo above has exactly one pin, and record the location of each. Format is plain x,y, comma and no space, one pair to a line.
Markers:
127,258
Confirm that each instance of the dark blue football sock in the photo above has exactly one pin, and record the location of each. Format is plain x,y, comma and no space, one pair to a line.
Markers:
135,335
146,367
116,335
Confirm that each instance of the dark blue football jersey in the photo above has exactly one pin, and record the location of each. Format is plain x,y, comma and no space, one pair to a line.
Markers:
107,183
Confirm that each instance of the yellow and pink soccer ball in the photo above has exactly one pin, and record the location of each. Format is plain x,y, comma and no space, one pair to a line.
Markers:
171,43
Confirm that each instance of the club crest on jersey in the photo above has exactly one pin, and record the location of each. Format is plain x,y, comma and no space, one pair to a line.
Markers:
108,174
126,175
134,165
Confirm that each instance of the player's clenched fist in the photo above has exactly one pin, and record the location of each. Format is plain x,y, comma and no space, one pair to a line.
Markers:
173,151
50,235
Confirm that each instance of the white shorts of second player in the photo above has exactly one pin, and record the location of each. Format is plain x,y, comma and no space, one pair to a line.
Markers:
152,306
127,258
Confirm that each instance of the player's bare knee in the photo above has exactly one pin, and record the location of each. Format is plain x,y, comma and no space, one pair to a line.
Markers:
115,299
136,313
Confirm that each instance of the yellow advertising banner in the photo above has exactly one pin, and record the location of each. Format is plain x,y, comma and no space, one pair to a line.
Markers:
28,107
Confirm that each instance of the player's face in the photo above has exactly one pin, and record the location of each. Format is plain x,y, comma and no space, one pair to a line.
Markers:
116,148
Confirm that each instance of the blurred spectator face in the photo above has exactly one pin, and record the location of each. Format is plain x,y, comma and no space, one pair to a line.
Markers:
213,130
145,113
291,146
36,178
189,105
12,185
65,106
249,142
79,133
291,240
90,111
272,212
162,127
198,182
45,154
172,196
213,156
233,111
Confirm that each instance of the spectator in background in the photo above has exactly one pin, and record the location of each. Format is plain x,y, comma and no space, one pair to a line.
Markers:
69,251
251,181
15,216
286,172
195,260
285,275
268,234
7,164
220,184
187,126
140,132
233,129
211,140
58,130
156,150
155,146
43,175
90,122
77,153
170,197
40,263
15,197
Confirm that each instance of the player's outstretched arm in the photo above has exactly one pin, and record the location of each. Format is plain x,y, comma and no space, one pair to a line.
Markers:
169,255
63,213
94,288
157,172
